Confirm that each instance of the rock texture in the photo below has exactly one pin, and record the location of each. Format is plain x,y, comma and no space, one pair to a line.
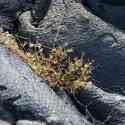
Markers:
24,94
62,23
68,23
4,123
107,107
10,11
27,122
108,10
6,118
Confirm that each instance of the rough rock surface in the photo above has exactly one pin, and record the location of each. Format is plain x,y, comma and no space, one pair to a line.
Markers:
2,122
10,11
68,23
6,117
64,24
113,12
107,107
27,122
24,94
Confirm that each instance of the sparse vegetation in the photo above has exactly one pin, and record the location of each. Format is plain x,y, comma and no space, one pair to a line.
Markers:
56,65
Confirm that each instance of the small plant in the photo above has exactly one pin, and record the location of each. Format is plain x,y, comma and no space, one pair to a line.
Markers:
55,65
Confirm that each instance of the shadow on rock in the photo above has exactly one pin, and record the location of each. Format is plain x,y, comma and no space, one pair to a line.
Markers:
109,67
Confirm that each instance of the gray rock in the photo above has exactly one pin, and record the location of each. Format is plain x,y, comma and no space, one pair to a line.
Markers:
40,9
10,10
68,23
107,107
113,12
65,21
6,23
27,122
25,93
5,116
4,123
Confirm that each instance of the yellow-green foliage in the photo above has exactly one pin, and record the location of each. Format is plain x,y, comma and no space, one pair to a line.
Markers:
56,66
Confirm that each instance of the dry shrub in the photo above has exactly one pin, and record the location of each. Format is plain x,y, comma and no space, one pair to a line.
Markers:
56,65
